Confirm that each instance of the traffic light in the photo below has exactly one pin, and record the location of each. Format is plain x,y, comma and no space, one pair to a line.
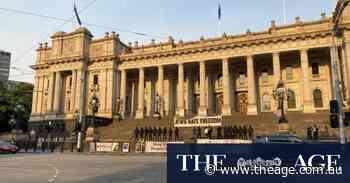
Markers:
334,116
334,106
346,119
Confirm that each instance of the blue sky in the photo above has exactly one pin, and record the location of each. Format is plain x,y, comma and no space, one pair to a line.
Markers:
183,19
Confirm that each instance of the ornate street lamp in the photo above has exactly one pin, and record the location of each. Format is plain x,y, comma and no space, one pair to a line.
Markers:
76,122
50,128
280,94
157,107
19,109
12,122
91,132
94,103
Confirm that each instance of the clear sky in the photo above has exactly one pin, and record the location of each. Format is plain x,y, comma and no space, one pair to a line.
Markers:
183,19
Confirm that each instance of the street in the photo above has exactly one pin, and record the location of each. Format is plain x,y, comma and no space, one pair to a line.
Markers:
73,168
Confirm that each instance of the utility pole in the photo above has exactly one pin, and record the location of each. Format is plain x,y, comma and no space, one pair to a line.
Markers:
336,88
341,4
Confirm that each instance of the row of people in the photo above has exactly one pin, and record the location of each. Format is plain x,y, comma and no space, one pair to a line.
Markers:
227,132
156,133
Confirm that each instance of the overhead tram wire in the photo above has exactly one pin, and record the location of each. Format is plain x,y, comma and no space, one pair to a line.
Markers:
72,21
42,39
90,24
22,56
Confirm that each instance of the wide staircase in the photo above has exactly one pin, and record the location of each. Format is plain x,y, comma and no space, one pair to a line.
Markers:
263,124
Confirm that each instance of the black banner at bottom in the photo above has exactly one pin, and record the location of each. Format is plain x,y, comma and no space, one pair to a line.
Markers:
251,163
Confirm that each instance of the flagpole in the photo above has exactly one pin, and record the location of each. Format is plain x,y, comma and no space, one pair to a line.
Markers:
284,12
219,18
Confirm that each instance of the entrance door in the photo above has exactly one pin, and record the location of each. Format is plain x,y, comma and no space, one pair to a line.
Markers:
242,102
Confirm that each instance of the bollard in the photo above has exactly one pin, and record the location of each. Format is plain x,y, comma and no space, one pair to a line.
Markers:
62,144
34,146
42,146
52,147
25,146
72,147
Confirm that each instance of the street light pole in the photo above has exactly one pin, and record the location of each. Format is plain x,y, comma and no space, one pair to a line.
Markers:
336,89
334,62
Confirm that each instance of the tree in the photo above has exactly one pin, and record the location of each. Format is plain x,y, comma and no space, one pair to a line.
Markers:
21,94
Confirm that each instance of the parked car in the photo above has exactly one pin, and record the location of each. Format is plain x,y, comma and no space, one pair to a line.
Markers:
6,147
279,139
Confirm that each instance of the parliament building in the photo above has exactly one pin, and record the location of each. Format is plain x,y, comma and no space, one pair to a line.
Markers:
231,77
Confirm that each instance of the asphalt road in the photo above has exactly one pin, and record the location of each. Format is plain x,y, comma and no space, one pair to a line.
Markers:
73,168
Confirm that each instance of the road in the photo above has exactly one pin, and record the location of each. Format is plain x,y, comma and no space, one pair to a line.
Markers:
74,168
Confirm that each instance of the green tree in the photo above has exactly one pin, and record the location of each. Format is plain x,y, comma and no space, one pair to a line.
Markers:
21,94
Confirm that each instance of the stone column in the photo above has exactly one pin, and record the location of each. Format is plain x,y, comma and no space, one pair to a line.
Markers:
35,95
133,98
141,94
78,90
203,111
252,105
190,92
102,89
45,94
307,99
276,73
58,90
40,94
180,109
153,94
210,93
276,67
161,88
226,87
109,90
148,96
74,90
123,93
50,99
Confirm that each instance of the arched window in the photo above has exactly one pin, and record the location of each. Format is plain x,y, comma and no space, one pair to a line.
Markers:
318,98
291,101
266,103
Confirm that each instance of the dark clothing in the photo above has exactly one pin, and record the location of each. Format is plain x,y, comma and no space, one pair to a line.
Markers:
251,132
177,134
170,134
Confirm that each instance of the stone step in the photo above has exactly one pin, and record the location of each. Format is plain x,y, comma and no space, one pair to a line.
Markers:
264,124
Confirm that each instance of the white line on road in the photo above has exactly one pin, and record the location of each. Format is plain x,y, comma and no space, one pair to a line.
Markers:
136,181
53,179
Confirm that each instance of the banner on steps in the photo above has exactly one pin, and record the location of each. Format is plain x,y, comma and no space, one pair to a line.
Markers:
199,121
159,147
107,147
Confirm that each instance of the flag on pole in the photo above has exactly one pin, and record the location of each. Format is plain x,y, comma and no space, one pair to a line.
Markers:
219,11
76,14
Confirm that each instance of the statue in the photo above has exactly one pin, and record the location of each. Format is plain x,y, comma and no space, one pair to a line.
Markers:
279,94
